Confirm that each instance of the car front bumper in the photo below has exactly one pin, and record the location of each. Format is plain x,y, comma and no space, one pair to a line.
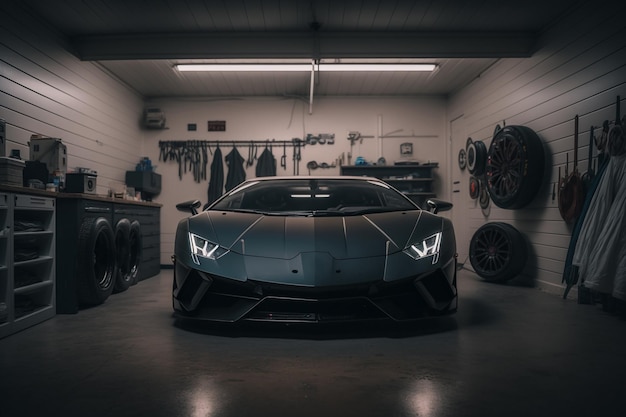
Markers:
203,296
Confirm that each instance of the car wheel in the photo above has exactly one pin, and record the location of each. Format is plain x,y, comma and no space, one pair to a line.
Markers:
514,168
96,262
476,158
462,159
474,188
122,256
135,245
498,252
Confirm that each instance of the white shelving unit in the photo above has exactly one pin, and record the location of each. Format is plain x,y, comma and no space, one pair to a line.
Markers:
27,261
5,229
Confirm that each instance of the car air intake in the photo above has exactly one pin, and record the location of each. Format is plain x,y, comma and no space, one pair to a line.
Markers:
193,289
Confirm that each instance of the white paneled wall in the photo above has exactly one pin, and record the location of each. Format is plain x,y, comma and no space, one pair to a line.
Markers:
407,119
579,69
46,90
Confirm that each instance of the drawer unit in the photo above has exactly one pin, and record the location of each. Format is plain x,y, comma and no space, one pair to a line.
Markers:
5,230
27,261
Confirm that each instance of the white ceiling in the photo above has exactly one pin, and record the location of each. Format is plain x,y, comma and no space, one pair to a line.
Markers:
139,41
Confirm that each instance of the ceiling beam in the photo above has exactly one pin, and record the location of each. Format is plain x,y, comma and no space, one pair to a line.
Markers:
216,45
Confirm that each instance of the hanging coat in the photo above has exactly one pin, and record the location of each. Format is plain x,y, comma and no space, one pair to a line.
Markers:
236,172
216,182
266,165
601,248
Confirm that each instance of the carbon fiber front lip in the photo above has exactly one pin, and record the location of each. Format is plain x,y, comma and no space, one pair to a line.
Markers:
231,301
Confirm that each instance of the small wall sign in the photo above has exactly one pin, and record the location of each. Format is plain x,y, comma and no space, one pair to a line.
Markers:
217,125
406,148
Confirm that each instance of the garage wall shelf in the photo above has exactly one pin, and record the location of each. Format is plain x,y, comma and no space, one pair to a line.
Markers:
27,261
413,180
4,262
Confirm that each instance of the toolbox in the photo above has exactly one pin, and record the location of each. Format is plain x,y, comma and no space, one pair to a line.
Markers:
11,171
80,183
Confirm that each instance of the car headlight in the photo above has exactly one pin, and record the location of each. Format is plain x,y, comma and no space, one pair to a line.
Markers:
428,247
200,247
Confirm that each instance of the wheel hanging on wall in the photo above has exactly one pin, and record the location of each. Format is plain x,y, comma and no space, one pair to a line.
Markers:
96,261
483,200
462,159
470,156
498,252
515,166
483,197
476,158
474,188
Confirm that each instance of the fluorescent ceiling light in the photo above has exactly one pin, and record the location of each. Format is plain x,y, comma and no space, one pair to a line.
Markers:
244,67
377,67
287,67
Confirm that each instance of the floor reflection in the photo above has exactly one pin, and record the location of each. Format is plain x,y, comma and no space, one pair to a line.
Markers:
424,398
204,399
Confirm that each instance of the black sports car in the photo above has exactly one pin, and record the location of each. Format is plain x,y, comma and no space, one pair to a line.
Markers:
314,249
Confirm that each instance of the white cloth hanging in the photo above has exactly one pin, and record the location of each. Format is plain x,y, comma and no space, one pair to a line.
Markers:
600,252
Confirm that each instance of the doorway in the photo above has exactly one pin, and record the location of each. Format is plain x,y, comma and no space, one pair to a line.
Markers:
460,183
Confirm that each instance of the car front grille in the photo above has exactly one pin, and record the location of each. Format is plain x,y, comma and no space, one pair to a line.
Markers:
229,300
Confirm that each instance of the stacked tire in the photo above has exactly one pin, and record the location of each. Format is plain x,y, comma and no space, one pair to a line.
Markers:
109,259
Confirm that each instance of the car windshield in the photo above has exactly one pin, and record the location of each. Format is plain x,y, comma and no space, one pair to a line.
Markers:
317,197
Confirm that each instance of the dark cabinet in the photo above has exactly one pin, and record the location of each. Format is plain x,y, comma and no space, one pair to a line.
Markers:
72,212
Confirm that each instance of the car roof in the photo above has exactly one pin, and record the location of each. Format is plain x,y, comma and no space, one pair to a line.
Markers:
315,177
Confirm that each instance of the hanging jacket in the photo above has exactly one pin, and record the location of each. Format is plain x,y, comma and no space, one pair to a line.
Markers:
216,182
601,248
236,172
266,165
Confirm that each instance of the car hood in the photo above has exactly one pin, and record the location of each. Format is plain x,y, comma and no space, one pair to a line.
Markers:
342,237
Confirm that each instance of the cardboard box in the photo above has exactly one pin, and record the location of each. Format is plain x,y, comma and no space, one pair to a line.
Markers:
50,151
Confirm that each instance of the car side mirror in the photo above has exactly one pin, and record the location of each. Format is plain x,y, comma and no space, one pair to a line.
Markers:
190,206
435,205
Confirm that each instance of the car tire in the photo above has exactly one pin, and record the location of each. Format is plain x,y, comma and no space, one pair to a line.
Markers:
498,252
135,245
122,256
514,167
96,263
476,158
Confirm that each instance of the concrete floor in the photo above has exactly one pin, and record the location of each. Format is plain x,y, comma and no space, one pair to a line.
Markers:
510,351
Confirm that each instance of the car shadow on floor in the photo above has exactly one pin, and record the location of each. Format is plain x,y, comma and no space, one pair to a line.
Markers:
326,331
